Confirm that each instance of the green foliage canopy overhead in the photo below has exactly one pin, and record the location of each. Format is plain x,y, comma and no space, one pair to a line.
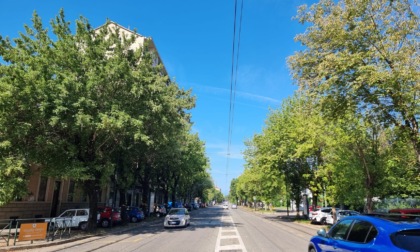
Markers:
363,56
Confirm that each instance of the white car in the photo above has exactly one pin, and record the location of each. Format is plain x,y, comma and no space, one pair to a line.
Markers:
320,216
225,206
177,217
340,214
71,218
234,206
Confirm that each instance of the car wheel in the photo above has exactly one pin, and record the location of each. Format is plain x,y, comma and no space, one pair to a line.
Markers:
323,221
83,226
134,219
312,249
105,223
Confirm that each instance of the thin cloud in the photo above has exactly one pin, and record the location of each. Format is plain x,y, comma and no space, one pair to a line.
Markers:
221,150
245,95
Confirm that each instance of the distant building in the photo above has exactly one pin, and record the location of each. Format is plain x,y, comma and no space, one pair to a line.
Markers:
140,42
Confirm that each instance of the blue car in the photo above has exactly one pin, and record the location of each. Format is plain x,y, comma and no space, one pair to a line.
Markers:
368,233
135,214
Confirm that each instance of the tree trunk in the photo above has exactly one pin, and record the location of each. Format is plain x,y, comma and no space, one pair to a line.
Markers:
90,188
314,201
297,202
173,197
166,195
173,190
369,203
123,199
145,196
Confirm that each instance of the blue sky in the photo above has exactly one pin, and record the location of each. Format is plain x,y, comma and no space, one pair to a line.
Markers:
194,39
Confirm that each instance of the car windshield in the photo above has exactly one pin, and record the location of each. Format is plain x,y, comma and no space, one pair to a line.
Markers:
177,211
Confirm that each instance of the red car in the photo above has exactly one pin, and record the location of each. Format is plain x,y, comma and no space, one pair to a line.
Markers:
408,213
104,216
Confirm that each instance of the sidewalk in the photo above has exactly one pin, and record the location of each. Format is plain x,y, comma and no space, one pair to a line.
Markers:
76,235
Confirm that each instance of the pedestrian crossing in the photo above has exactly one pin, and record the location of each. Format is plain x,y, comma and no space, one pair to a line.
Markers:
228,238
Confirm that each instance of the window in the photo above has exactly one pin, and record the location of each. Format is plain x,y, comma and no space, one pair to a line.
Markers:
42,188
362,232
81,212
84,197
70,195
69,213
407,239
339,232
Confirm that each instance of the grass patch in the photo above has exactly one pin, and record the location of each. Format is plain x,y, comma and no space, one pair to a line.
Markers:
303,221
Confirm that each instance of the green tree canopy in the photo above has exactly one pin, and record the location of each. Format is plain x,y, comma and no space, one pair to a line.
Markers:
363,56
81,105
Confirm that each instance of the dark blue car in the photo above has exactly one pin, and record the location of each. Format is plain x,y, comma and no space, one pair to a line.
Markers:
135,214
368,233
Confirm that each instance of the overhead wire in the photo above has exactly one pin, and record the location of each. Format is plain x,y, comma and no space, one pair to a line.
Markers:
233,80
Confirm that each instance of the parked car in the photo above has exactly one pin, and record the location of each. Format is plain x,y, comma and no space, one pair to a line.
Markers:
135,214
104,216
407,213
74,218
367,233
188,206
160,210
234,206
320,216
340,214
177,217
174,205
311,210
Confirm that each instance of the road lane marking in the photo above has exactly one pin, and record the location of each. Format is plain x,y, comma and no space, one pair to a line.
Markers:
228,237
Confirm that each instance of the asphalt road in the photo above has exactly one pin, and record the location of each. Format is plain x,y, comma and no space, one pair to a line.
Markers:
212,229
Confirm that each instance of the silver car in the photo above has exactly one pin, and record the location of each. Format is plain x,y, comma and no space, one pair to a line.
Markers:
177,217
340,214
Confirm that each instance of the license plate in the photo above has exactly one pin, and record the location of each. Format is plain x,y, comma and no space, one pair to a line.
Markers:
172,222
